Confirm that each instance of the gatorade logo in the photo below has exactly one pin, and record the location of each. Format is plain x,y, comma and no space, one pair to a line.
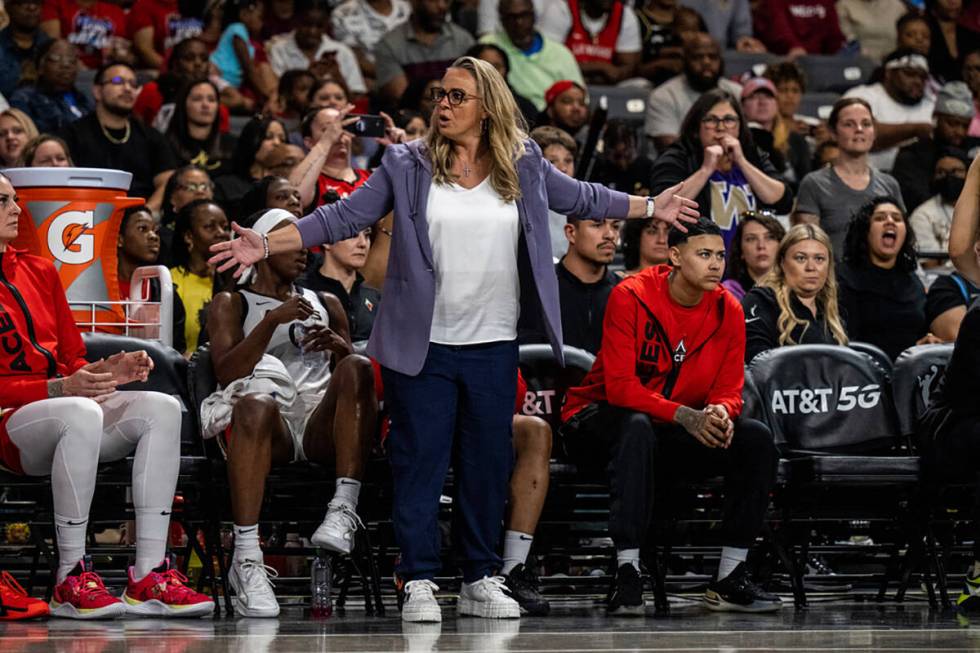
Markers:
70,237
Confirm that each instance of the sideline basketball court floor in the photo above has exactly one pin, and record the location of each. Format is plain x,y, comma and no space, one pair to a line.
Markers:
577,626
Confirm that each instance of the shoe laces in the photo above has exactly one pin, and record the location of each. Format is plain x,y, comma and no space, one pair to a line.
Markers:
174,587
8,583
344,515
421,589
494,586
265,573
90,583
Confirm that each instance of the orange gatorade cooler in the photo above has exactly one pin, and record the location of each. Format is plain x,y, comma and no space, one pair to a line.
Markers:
72,216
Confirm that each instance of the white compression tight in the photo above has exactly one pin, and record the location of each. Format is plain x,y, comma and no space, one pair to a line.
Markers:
68,437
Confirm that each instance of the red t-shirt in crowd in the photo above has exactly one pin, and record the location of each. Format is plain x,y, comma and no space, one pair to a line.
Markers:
88,28
169,27
809,24
343,188
647,337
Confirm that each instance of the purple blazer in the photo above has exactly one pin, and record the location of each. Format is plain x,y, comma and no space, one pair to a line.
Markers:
400,337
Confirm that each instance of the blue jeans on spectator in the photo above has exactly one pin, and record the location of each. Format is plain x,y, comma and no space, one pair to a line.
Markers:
459,408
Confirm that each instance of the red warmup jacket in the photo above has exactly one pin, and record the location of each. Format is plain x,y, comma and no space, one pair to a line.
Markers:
38,336
657,355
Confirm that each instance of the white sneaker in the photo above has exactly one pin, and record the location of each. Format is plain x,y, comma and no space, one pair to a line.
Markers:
420,603
336,533
250,580
487,598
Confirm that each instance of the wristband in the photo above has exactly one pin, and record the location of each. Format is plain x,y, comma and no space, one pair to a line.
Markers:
265,246
651,205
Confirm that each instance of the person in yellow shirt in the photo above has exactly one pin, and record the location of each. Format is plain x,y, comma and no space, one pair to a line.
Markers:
199,225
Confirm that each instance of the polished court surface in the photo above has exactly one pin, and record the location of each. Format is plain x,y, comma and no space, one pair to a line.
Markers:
573,627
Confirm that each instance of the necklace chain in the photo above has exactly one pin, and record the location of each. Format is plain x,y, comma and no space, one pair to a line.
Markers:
113,139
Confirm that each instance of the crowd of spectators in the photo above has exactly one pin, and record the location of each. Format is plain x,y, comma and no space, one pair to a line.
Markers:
836,226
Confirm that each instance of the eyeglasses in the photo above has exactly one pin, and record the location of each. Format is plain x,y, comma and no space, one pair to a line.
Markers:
728,121
120,81
196,187
60,59
456,96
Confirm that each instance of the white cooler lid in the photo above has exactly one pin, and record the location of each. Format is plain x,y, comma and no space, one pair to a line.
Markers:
69,178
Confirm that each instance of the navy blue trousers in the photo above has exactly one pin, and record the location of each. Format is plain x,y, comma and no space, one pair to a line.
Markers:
458,409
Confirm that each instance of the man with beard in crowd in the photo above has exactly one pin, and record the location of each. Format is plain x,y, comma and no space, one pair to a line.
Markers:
899,104
109,137
915,163
669,102
420,48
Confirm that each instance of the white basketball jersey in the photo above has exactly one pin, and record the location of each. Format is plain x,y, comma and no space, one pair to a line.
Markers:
311,382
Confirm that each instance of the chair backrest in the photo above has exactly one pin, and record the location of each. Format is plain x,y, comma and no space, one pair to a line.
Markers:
201,379
751,400
918,371
169,374
622,102
741,63
877,355
817,105
547,381
825,398
835,73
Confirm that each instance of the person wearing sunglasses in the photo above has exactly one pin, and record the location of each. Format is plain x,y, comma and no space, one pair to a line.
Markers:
109,137
53,101
470,252
720,165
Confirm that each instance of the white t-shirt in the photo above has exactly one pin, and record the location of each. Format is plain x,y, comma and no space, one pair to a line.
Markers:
556,22
285,55
474,235
357,24
888,111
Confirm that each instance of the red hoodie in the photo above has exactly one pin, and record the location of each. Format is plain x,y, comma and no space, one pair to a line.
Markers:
650,342
38,336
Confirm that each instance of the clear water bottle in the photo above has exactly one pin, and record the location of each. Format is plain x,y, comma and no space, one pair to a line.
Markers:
310,358
321,583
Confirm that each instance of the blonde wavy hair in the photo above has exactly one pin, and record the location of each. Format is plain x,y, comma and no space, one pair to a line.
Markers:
826,298
504,132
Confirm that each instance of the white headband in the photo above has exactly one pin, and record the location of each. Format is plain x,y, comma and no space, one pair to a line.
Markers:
909,61
263,226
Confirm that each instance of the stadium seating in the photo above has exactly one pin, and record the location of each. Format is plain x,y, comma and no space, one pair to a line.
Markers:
817,105
835,73
622,102
752,64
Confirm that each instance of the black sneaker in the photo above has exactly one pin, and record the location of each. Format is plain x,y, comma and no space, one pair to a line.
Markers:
626,594
737,593
521,584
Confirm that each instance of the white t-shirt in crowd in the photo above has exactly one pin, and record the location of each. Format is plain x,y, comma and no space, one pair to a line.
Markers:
285,55
357,24
888,111
474,235
556,22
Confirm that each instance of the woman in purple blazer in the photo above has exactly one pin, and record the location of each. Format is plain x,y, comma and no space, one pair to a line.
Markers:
470,254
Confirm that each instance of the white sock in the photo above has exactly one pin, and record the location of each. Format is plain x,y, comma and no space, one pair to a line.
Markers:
516,547
71,543
731,557
152,528
247,543
347,491
628,556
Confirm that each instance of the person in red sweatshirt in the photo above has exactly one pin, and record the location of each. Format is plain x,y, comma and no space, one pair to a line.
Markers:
62,416
667,384
798,27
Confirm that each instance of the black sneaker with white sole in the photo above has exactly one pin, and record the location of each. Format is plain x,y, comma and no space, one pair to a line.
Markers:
626,594
738,593
521,584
